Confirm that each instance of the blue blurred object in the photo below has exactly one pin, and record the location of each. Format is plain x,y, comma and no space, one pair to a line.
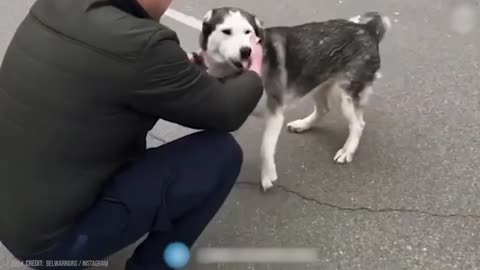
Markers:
177,255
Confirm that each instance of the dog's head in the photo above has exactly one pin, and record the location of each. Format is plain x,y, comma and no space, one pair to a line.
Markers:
226,35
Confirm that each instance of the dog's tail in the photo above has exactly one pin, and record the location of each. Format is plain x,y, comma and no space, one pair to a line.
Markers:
375,23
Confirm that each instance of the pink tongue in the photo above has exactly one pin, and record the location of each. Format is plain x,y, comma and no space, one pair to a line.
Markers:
245,64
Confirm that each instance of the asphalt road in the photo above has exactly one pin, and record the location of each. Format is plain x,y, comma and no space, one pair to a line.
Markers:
410,199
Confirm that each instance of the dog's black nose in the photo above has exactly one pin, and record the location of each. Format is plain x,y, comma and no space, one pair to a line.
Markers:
245,52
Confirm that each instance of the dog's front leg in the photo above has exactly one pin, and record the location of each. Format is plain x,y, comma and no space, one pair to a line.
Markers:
273,125
354,115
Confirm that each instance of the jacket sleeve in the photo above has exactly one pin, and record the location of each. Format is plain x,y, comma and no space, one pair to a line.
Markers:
176,90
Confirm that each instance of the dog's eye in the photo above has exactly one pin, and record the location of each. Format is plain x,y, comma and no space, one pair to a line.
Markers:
227,32
247,32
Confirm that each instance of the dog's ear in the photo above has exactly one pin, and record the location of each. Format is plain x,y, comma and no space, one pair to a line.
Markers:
208,16
207,29
206,23
258,27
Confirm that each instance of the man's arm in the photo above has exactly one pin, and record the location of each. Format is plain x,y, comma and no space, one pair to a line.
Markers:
176,90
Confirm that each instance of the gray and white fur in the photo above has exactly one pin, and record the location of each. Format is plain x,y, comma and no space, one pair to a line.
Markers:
334,62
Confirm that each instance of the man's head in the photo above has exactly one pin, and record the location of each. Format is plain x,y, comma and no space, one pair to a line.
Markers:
227,33
155,8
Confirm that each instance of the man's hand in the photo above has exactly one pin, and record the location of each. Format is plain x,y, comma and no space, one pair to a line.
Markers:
197,58
192,55
256,56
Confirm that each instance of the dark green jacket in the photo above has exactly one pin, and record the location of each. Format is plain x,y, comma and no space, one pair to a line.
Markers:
81,84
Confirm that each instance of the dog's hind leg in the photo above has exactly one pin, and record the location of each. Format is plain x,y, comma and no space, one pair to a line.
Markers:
320,109
274,120
353,112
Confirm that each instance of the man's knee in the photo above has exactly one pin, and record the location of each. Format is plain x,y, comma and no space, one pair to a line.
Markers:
225,145
217,162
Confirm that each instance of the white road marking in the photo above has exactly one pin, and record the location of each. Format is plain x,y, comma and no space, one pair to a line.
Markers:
184,18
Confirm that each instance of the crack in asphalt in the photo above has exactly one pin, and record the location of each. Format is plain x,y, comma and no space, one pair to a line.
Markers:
349,209
360,209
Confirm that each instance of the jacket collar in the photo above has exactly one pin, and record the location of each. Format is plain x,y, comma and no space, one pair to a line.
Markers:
131,7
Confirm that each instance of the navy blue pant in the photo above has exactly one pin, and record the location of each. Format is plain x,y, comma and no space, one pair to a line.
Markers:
171,194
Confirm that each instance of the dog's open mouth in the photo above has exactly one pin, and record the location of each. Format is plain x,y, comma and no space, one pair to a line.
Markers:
237,64
242,65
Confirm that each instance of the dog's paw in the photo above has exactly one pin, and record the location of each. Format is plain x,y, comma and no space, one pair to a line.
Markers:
343,156
299,126
267,184
268,178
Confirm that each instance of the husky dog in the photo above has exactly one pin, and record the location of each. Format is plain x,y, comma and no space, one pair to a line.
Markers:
334,62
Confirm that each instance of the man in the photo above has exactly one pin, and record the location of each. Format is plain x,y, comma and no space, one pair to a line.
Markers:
81,84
